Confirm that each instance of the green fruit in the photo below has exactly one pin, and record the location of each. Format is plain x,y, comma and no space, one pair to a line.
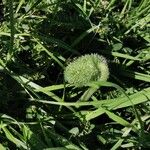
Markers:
85,69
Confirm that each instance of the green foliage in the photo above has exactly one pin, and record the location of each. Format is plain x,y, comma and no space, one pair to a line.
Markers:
40,111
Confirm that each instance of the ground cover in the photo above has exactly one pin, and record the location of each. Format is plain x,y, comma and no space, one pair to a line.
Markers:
39,109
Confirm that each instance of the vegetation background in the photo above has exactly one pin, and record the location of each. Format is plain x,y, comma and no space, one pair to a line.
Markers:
38,110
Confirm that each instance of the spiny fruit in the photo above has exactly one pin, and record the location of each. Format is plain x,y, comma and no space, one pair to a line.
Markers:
87,68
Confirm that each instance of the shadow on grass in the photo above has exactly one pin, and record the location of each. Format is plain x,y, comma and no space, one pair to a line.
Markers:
12,97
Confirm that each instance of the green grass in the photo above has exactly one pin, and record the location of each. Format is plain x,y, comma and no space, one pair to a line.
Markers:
38,110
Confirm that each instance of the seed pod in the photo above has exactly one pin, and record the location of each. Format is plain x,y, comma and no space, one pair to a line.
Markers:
87,68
